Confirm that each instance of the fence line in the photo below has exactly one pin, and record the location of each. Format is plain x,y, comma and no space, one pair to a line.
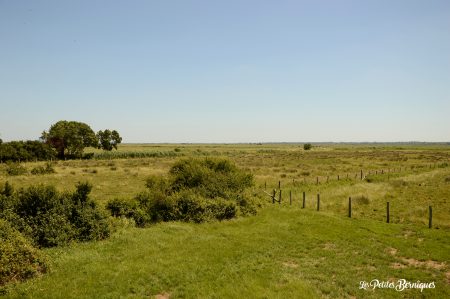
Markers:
388,214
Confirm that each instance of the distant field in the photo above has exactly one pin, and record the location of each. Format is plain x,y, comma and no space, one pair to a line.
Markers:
413,178
285,251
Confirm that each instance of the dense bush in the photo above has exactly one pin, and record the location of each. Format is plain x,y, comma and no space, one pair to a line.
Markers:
51,218
210,178
18,258
17,151
121,207
195,190
307,146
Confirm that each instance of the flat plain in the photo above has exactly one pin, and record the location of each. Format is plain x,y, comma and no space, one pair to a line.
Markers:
285,250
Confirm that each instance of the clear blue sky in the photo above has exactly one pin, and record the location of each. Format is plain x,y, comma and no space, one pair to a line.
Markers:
228,71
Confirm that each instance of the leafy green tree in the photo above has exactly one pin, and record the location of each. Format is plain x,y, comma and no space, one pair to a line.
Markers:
69,138
307,146
108,140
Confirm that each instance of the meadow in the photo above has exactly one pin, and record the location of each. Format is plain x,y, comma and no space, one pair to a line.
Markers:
283,251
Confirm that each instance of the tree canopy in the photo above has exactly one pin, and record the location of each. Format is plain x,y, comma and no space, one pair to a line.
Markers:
108,140
69,138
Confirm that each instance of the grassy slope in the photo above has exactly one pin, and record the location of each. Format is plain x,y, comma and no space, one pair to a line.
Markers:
281,253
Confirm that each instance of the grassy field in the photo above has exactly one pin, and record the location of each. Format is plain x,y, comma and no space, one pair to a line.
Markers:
284,251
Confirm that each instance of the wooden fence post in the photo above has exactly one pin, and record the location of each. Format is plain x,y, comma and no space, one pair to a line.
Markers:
279,184
279,199
304,199
361,174
338,177
318,201
387,212
273,196
350,207
317,181
430,217
290,197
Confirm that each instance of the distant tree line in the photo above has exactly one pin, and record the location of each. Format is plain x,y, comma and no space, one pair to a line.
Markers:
26,151
64,140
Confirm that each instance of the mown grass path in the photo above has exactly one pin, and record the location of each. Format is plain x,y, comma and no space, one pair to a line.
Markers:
283,252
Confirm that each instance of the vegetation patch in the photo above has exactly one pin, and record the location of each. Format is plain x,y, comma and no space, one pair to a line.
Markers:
13,168
47,169
19,260
195,190
51,218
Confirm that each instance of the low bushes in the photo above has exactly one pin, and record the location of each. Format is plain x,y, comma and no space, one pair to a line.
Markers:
51,218
19,260
13,168
41,216
195,190
47,169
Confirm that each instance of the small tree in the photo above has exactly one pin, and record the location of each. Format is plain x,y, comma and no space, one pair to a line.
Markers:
70,137
307,146
108,140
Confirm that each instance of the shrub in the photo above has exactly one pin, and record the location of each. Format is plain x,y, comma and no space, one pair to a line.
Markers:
7,189
122,207
195,190
43,170
246,205
158,184
307,146
157,206
19,260
51,218
90,222
15,169
222,209
210,178
191,208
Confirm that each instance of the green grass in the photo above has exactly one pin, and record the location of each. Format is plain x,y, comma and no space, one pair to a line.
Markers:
281,253
284,251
